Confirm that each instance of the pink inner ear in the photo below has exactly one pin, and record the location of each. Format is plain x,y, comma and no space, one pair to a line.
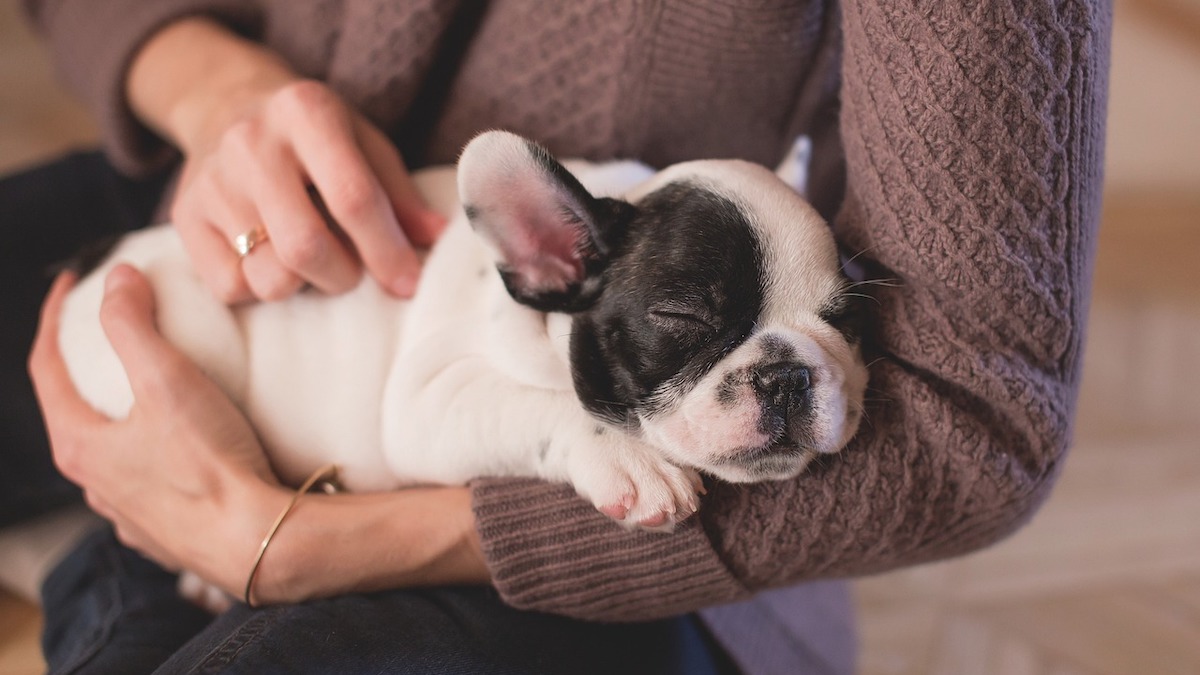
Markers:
525,210
544,250
539,239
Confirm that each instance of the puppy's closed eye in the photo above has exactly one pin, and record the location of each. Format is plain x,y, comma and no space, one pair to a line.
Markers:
848,314
683,316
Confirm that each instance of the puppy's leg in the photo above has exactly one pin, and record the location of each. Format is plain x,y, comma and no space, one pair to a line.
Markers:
630,481
464,421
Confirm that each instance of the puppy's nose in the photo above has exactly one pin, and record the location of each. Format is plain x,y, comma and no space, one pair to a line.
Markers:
782,387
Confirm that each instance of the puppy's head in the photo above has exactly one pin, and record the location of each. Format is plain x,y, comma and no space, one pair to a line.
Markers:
710,313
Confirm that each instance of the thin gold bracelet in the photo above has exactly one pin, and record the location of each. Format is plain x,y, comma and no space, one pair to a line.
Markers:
327,473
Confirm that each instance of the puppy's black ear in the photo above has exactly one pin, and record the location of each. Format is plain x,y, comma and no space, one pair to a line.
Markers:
552,238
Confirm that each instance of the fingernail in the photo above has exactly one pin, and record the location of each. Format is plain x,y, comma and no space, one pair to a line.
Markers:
436,220
119,276
405,286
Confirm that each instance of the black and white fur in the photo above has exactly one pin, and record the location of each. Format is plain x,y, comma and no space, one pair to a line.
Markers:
693,320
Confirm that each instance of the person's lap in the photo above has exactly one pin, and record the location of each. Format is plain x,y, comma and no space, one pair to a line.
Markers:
110,611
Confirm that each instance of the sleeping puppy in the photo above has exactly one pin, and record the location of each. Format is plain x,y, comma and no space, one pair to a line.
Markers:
607,326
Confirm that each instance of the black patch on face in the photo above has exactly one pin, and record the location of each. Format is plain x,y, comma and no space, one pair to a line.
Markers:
683,289
775,349
728,388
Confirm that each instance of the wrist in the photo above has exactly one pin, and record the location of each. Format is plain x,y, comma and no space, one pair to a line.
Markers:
251,506
332,544
194,78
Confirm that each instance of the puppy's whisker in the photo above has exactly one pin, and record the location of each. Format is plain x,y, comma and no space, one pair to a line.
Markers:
887,283
856,256
864,296
863,412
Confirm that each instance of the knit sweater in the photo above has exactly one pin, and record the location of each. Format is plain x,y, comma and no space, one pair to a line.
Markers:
958,155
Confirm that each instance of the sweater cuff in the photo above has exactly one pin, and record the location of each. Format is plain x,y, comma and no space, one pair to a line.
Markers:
551,551
94,45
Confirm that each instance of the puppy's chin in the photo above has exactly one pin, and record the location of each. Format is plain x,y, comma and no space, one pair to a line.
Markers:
779,465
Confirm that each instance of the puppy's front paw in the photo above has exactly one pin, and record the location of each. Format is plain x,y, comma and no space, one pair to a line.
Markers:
635,486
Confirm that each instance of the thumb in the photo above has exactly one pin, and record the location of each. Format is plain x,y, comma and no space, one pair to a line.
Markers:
128,317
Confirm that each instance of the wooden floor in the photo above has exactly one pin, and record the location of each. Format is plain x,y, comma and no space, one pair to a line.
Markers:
1106,580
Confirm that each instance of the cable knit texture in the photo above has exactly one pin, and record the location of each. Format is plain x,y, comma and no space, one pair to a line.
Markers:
971,138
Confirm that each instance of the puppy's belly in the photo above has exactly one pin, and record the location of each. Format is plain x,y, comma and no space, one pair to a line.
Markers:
315,380
308,372
187,314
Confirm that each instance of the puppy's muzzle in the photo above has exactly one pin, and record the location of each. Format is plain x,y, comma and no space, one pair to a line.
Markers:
785,393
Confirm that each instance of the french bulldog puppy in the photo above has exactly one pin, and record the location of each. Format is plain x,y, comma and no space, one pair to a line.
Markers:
604,325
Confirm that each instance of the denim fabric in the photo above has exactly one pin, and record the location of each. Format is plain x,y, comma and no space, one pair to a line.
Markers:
110,611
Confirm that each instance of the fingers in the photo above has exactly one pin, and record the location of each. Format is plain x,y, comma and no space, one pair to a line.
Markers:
300,239
208,246
154,367
327,146
253,185
98,505
216,262
256,177
234,214
69,418
422,224
55,391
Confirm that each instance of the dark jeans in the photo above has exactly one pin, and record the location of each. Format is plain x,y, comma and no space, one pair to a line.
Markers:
108,610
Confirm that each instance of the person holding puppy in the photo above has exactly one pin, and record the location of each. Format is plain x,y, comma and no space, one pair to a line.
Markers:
950,156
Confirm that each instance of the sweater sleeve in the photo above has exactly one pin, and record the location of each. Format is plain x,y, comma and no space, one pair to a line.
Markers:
93,45
973,142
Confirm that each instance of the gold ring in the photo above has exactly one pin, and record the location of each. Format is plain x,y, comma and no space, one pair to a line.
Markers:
245,242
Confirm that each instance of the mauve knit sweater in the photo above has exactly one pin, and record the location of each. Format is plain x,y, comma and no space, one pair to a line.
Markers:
959,151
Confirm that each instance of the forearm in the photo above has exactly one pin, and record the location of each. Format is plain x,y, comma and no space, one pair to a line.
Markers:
194,77
93,45
332,544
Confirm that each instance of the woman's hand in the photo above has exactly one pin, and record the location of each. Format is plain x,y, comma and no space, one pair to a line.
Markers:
256,138
185,481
